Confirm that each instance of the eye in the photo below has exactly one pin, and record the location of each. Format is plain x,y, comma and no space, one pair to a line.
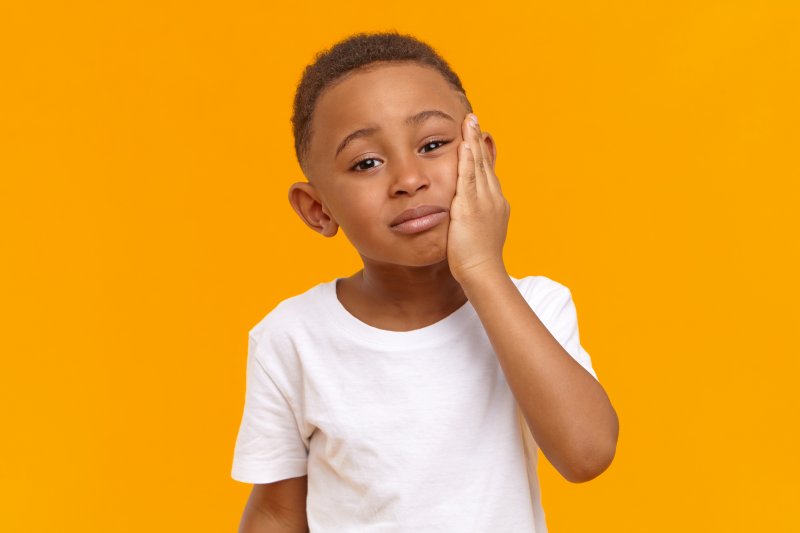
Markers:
433,145
365,164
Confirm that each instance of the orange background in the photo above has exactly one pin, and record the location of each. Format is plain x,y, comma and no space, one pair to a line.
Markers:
649,151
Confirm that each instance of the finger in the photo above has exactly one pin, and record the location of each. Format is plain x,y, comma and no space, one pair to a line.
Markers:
492,181
476,143
485,169
465,182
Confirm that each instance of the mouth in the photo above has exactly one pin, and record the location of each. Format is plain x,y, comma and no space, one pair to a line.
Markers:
419,219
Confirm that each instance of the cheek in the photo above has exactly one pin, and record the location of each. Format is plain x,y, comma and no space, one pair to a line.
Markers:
447,172
362,210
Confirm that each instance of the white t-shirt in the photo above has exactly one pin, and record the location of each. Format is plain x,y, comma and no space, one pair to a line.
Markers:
412,431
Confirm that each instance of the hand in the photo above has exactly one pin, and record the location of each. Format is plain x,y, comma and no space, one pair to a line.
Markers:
478,214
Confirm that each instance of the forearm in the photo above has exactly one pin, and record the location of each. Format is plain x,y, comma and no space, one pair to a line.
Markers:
259,519
567,410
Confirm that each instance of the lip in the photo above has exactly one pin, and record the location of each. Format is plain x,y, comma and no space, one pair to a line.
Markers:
417,212
419,218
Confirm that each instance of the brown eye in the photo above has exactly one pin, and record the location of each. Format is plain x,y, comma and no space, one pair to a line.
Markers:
433,145
365,164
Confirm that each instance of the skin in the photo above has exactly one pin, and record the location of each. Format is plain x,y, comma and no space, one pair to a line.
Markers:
411,281
405,283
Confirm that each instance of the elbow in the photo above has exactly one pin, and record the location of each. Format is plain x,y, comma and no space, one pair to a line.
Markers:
590,467
594,461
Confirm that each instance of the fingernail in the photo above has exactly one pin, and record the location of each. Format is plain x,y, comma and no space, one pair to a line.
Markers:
474,120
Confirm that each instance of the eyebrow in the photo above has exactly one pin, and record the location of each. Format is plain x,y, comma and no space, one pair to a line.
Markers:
413,120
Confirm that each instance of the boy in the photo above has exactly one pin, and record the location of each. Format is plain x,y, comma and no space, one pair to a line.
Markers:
406,397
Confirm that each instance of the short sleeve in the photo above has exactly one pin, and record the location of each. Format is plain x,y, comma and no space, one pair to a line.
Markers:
269,446
565,329
552,302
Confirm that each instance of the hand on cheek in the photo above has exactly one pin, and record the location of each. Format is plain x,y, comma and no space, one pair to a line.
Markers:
478,214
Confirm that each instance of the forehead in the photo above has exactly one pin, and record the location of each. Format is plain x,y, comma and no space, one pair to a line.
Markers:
380,95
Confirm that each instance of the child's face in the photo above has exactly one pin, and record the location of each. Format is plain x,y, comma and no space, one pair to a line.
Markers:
395,165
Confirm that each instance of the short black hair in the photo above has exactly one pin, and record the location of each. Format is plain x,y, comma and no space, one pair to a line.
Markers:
353,53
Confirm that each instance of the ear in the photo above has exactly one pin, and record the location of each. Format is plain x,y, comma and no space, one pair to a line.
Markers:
491,147
307,203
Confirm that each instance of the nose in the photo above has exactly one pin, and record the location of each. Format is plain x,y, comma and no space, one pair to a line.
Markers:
409,177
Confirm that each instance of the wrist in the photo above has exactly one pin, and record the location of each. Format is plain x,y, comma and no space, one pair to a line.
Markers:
488,272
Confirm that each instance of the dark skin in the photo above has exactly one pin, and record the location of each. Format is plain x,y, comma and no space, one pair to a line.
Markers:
413,280
361,292
406,282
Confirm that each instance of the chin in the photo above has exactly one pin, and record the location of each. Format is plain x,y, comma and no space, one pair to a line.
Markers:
425,252
433,257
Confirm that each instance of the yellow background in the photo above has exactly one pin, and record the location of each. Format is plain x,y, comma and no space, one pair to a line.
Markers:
649,151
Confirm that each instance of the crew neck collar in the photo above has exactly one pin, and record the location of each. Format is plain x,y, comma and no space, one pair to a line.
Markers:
447,328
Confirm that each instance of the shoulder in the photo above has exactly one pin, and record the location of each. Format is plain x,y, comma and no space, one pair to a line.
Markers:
290,315
540,289
546,296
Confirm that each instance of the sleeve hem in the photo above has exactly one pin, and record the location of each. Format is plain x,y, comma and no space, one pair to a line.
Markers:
259,473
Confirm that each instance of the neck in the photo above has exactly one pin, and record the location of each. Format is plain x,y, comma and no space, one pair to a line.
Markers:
410,290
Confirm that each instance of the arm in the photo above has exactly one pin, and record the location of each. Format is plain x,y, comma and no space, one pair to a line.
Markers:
278,507
567,410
